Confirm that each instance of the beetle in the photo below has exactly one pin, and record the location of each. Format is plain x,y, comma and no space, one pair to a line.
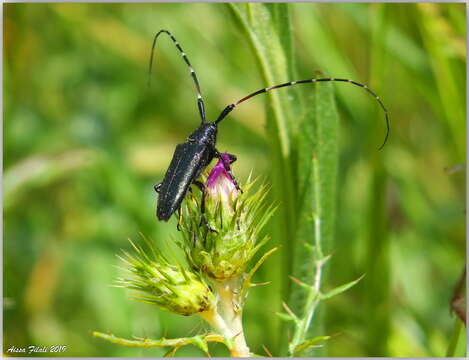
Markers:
193,156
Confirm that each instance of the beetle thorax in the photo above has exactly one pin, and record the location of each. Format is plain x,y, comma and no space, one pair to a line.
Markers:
205,134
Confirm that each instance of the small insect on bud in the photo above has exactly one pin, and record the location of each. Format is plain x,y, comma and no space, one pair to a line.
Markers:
171,287
221,237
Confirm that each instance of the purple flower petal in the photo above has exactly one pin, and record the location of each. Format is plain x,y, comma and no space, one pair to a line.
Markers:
219,170
220,183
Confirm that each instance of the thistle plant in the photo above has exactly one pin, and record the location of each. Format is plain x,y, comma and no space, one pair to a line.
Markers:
220,231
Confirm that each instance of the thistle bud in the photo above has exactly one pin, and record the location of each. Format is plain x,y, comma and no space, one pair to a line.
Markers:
221,240
171,287
220,184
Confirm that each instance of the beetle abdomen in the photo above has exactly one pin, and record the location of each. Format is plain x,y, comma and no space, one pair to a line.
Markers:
187,163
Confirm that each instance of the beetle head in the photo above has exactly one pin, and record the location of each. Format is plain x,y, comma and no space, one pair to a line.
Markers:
204,134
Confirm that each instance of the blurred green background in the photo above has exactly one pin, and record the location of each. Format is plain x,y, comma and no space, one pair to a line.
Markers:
85,140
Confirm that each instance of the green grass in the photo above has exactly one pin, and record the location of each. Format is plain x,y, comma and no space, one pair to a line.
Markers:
85,141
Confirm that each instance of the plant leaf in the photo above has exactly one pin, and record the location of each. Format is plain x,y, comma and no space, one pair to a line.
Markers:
317,173
310,343
340,289
284,316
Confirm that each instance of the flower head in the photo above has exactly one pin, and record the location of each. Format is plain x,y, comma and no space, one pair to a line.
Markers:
221,240
171,287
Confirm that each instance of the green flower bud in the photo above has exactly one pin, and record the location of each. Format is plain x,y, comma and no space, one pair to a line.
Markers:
171,287
222,244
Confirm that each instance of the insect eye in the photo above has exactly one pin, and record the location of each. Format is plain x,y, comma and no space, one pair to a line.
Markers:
232,158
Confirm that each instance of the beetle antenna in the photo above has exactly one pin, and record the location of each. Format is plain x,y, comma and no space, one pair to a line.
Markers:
229,108
200,101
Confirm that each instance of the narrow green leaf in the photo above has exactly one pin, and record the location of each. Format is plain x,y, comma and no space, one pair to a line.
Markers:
258,23
281,18
301,283
340,289
268,31
248,277
291,313
317,176
200,343
171,352
457,329
284,316
310,343
451,97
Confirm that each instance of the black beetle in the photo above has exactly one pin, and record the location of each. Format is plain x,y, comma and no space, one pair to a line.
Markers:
188,161
191,157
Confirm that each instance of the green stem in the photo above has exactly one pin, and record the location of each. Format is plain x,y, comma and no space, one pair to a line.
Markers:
318,215
233,315
217,322
311,304
240,348
148,343
454,338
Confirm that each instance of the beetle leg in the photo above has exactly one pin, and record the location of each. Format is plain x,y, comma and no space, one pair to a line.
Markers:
178,226
234,181
202,189
205,238
157,187
203,220
228,170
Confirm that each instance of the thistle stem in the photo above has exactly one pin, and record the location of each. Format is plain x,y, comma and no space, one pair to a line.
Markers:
240,348
233,315
216,321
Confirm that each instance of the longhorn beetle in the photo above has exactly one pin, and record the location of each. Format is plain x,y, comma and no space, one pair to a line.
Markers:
191,157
